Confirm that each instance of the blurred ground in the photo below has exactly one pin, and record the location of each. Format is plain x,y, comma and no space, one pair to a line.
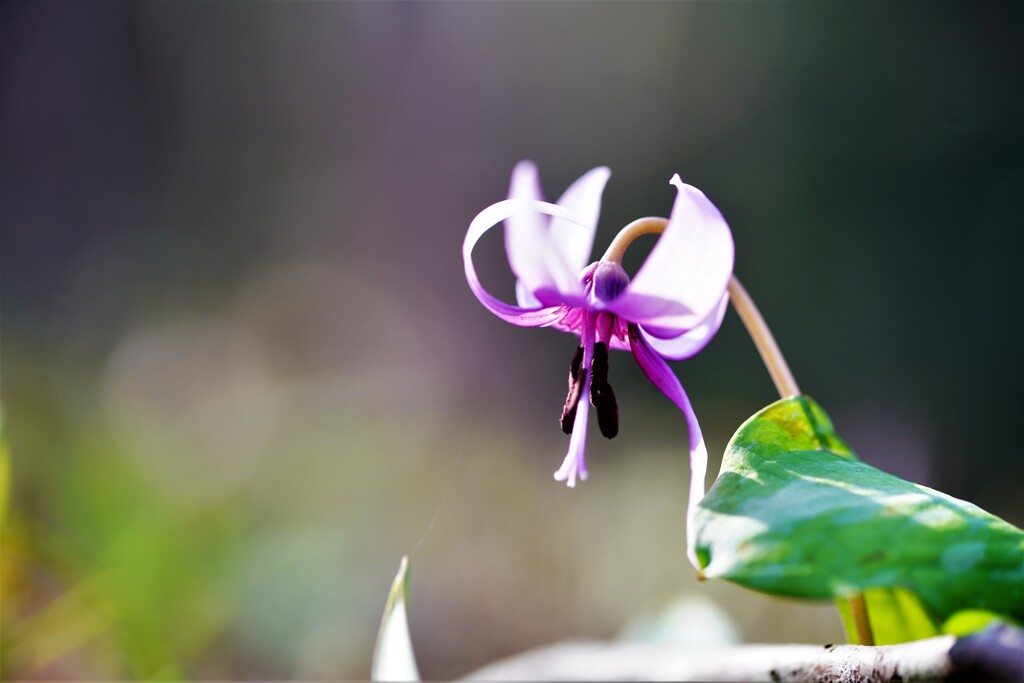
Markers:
242,374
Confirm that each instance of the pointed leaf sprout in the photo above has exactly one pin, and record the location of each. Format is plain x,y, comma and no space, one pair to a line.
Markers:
393,658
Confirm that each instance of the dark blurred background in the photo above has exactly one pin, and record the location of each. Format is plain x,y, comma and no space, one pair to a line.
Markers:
242,373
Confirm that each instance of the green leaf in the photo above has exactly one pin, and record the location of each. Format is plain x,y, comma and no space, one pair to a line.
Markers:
794,512
393,658
968,621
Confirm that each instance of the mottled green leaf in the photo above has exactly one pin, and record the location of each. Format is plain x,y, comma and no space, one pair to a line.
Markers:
393,658
794,512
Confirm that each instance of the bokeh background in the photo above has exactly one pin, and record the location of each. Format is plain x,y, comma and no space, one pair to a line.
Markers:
242,374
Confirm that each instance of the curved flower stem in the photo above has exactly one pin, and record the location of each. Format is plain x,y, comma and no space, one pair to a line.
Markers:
641,226
741,301
763,339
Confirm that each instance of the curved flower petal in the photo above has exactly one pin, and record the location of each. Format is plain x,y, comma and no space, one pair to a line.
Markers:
583,198
484,221
683,277
538,248
661,376
690,343
525,298
523,230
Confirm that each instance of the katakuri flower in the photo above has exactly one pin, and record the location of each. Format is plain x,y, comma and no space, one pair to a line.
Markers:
670,309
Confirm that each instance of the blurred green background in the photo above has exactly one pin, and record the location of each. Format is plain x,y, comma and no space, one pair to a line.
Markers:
242,373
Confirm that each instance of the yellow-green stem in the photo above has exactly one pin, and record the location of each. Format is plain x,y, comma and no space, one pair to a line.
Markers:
641,226
763,339
859,609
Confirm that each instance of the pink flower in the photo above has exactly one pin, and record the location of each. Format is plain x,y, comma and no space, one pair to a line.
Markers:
670,309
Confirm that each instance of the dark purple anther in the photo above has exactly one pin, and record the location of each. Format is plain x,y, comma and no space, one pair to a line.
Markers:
576,380
601,394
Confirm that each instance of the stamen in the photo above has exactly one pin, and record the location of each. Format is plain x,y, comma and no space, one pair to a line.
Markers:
601,394
576,380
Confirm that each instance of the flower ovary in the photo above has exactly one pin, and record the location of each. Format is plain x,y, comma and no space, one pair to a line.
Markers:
610,280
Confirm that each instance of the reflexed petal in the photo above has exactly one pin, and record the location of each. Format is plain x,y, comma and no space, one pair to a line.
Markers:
536,258
525,298
661,376
571,321
683,277
690,343
523,230
583,198
485,220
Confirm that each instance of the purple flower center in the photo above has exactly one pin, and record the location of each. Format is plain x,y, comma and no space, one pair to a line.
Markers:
609,281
